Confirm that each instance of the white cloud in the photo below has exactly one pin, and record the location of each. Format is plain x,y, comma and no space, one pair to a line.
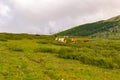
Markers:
4,14
50,16
4,10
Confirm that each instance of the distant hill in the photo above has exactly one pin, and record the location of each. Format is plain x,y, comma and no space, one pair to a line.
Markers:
104,28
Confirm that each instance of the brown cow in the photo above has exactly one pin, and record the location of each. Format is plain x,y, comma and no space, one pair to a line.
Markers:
85,40
74,40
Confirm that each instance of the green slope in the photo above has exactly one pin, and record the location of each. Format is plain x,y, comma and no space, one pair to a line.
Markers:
105,27
31,57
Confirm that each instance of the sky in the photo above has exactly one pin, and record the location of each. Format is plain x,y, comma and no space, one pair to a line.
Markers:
52,16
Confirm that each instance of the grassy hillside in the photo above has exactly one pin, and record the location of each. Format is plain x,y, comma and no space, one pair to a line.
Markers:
31,57
110,27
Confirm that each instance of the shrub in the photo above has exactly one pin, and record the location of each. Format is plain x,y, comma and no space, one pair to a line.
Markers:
4,40
42,42
89,57
46,50
16,48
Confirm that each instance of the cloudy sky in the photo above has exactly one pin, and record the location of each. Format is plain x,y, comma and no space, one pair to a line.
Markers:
51,16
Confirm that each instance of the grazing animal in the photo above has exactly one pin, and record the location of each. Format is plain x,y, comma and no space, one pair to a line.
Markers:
86,40
61,39
74,40
56,38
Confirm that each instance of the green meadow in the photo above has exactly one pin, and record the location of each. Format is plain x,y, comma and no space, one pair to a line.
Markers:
40,57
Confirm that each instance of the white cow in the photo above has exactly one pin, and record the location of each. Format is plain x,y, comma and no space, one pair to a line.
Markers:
60,39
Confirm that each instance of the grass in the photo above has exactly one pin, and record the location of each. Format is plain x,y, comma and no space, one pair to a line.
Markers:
42,58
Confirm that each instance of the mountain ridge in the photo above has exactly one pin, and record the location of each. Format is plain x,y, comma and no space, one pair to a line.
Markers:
110,26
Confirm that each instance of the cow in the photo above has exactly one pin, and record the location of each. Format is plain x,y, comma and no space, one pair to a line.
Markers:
86,40
57,38
74,40
61,39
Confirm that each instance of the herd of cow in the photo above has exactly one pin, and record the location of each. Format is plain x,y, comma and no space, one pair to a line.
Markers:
73,40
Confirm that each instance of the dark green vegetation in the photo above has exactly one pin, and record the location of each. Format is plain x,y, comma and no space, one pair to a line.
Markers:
106,28
37,57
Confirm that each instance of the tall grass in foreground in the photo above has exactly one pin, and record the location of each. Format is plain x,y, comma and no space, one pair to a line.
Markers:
103,53
104,58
